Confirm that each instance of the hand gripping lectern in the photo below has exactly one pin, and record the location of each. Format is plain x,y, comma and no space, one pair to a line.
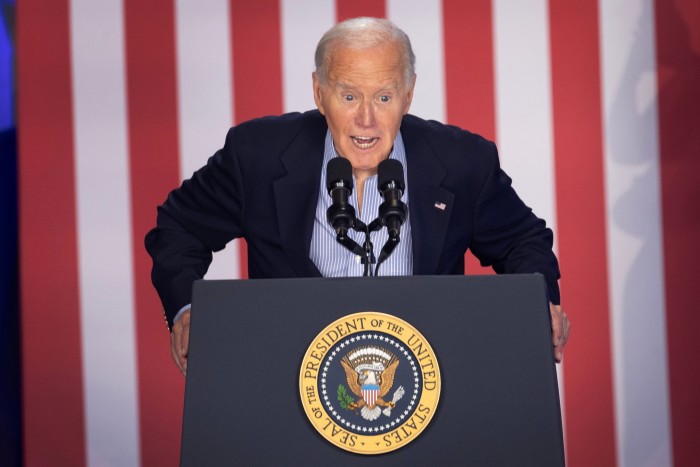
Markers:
296,372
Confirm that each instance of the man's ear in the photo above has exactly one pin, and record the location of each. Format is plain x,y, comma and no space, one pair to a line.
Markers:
317,92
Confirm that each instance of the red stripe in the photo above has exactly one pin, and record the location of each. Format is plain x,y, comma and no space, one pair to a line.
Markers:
52,380
678,68
346,9
469,79
578,146
257,59
257,76
153,149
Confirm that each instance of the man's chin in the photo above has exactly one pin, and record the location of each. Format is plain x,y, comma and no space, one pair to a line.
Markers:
365,164
374,154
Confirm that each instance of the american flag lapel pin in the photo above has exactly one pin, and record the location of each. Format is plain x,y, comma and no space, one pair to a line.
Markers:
440,206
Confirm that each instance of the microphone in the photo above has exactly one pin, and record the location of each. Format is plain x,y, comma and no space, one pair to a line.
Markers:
391,183
341,214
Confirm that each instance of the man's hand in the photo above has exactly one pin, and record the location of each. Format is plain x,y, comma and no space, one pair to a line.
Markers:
560,330
179,341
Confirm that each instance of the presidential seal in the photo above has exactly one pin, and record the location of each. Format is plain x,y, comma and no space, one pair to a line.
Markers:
369,383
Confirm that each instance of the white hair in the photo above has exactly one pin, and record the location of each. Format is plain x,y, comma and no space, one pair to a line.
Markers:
363,33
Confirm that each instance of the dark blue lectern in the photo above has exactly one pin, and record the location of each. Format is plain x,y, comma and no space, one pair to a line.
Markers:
499,403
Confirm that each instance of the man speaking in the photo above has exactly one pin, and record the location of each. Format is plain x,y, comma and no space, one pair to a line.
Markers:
269,185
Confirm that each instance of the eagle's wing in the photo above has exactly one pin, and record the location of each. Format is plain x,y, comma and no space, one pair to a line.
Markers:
351,376
388,378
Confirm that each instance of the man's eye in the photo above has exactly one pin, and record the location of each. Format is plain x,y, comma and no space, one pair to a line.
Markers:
385,99
349,98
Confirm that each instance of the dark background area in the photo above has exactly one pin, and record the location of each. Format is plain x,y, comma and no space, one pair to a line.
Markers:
10,420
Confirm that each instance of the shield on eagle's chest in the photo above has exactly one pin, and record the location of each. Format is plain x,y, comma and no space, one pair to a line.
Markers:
370,392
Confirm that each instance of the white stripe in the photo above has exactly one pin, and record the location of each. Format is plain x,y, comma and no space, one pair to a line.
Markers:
104,233
524,102
205,104
303,22
422,21
635,261
522,75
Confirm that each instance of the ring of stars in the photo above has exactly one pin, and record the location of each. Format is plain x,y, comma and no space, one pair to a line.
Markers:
386,340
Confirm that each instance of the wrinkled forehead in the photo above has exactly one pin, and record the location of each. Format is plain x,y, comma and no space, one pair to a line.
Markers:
382,65
386,55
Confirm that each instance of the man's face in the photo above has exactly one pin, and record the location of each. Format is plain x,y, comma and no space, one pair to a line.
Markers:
363,102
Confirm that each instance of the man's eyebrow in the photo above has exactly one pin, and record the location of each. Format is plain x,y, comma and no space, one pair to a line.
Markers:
342,85
345,86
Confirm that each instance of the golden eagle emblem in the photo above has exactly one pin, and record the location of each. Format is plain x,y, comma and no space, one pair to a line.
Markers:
369,371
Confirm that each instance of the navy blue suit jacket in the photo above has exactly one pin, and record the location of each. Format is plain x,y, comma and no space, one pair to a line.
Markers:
263,186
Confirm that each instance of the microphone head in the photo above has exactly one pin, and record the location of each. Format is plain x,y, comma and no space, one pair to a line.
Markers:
338,173
390,170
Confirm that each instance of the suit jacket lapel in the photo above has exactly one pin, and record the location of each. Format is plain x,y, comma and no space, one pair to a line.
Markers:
296,195
430,205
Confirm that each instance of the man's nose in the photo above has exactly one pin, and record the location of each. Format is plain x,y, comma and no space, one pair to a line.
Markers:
365,114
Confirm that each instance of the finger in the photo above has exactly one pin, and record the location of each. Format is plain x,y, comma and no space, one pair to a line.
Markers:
176,342
557,325
559,331
173,354
174,339
558,353
566,328
184,345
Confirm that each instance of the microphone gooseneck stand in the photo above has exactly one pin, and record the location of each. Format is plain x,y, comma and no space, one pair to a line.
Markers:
341,214
393,211
366,251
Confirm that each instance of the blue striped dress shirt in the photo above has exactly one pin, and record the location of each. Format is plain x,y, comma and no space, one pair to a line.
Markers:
334,260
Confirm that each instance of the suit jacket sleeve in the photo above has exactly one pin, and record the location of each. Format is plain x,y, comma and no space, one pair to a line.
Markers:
201,216
486,215
507,234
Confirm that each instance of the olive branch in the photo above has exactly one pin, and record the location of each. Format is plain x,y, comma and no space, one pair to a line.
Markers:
343,397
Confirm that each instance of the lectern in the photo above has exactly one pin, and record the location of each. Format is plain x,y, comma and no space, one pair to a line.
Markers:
498,402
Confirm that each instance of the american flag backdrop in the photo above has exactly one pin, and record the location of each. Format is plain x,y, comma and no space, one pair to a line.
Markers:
595,106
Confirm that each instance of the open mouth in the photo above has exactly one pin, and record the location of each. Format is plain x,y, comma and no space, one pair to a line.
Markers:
364,142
